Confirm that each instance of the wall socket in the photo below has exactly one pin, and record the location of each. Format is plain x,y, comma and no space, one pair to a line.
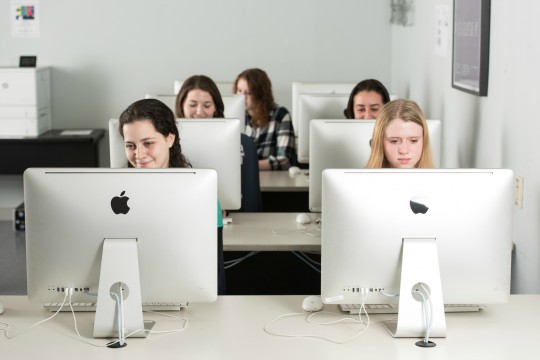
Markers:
518,193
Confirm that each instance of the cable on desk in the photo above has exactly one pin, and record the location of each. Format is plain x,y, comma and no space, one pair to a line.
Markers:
230,263
309,320
305,258
5,331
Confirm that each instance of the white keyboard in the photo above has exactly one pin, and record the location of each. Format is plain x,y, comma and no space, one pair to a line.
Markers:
393,308
172,306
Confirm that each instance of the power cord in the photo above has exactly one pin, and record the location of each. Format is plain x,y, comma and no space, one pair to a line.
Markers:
303,229
230,263
5,331
428,310
68,292
309,319
306,259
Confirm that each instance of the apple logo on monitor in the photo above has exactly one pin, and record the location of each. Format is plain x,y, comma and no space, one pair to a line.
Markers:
418,205
119,204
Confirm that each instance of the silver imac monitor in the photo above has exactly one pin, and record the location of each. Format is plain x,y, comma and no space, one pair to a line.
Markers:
235,105
224,87
316,106
158,224
207,144
299,88
345,144
235,108
169,100
385,231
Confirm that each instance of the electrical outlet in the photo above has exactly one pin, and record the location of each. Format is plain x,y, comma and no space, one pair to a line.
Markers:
518,193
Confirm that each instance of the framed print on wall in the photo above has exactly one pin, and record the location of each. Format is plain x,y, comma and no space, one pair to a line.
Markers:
470,59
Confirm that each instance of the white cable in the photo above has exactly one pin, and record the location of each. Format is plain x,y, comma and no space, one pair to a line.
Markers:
389,295
311,260
306,261
186,322
234,262
303,229
120,317
67,294
268,331
5,331
308,320
427,318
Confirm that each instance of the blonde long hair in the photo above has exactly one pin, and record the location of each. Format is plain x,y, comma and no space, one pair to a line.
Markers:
407,110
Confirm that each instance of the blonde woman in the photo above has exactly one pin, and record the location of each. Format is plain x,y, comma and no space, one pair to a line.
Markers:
400,137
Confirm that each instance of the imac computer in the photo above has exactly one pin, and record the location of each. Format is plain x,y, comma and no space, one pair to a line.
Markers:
299,88
345,144
316,106
443,234
206,143
121,239
235,105
169,100
235,108
224,87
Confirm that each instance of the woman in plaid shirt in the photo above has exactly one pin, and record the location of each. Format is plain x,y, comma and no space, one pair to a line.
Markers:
267,123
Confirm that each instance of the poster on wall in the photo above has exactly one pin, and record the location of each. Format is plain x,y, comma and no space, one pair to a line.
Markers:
25,18
470,61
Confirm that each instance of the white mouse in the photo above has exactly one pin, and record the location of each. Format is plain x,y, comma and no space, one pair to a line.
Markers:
1,309
312,303
294,170
303,218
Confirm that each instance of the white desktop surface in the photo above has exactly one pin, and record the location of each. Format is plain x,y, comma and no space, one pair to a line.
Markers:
283,181
232,328
267,231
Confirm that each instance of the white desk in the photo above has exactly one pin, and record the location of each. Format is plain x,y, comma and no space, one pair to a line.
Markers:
257,232
282,181
232,328
12,260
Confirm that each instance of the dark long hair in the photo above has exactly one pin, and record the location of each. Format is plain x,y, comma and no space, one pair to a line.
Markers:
366,85
163,120
203,83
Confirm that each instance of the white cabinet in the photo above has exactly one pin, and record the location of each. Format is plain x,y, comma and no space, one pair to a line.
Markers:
25,101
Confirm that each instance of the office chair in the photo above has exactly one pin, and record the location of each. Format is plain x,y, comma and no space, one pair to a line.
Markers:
251,199
251,188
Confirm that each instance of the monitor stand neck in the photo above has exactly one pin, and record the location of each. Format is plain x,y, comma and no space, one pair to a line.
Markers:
420,286
119,305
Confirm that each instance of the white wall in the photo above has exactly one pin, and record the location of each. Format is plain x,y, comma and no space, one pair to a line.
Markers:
500,130
106,54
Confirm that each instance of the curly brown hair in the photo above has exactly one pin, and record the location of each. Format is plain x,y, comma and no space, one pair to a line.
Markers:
260,89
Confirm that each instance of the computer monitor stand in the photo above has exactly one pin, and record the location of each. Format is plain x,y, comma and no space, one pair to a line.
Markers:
420,283
119,305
